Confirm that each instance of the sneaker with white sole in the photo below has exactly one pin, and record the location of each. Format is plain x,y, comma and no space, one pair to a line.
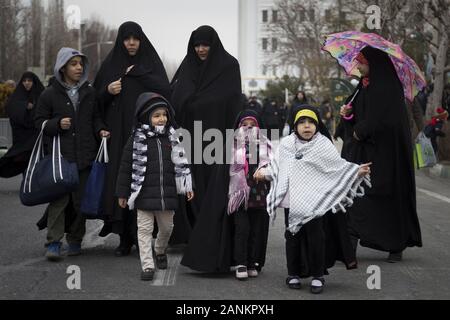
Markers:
252,273
241,273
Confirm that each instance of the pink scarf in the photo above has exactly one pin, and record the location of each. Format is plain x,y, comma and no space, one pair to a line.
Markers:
239,191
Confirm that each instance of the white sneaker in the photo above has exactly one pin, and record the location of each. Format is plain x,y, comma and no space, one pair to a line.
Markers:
252,273
241,273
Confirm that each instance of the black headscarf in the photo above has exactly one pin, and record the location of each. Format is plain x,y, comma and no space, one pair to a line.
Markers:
21,94
22,124
194,74
320,125
118,60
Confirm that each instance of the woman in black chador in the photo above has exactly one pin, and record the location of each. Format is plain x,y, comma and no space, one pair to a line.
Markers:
20,109
131,68
206,88
386,218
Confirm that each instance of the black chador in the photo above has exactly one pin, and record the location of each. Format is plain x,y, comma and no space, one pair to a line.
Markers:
20,109
147,75
208,91
386,218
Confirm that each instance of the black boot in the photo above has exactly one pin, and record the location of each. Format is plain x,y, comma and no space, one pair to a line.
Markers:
124,247
395,257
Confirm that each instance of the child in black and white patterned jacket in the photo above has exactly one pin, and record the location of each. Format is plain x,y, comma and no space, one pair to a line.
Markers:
314,185
153,171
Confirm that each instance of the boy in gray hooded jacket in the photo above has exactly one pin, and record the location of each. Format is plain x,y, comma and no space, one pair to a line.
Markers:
70,108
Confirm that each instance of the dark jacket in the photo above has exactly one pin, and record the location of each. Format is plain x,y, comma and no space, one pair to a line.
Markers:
80,143
159,191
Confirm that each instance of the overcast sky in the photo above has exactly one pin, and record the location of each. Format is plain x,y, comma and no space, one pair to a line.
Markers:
169,23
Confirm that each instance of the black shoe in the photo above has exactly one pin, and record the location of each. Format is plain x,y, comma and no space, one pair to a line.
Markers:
317,289
395,257
293,282
147,275
122,251
161,261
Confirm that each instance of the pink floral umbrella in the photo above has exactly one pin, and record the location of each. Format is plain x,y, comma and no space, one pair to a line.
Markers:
345,46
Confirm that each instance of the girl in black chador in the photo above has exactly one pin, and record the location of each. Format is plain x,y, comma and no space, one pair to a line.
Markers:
386,219
130,69
206,88
20,109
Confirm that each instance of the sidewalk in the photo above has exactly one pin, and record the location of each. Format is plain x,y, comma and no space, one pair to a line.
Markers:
441,170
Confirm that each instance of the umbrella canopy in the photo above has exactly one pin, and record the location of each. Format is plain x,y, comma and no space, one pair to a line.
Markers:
345,46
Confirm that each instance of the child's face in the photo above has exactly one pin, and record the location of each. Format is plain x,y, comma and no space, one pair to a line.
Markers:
159,117
73,70
249,123
306,128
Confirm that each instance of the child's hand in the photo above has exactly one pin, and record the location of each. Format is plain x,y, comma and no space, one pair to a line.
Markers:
122,203
364,169
190,195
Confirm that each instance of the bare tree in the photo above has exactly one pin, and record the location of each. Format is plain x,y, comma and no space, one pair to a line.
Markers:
300,28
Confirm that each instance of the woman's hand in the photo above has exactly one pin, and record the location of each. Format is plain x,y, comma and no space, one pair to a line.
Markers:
346,110
190,196
115,87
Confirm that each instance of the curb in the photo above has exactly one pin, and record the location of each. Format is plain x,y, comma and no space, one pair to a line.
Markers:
439,171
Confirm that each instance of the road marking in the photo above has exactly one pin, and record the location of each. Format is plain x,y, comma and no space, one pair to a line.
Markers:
166,278
434,195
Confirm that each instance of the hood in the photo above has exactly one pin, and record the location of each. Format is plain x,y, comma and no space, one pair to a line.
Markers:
248,113
148,101
64,56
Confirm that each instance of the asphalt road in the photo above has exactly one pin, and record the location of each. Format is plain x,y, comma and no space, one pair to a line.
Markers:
25,274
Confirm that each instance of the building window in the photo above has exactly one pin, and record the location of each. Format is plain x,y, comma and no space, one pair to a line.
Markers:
274,16
264,70
265,16
264,43
328,15
312,15
302,16
274,44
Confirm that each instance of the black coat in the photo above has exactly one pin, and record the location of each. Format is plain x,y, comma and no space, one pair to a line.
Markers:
210,92
80,143
386,217
159,192
22,124
148,75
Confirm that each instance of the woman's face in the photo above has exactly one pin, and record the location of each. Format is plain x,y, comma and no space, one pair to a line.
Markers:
202,51
300,96
132,45
363,69
28,84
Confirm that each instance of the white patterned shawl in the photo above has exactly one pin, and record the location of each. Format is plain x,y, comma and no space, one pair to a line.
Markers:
317,178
